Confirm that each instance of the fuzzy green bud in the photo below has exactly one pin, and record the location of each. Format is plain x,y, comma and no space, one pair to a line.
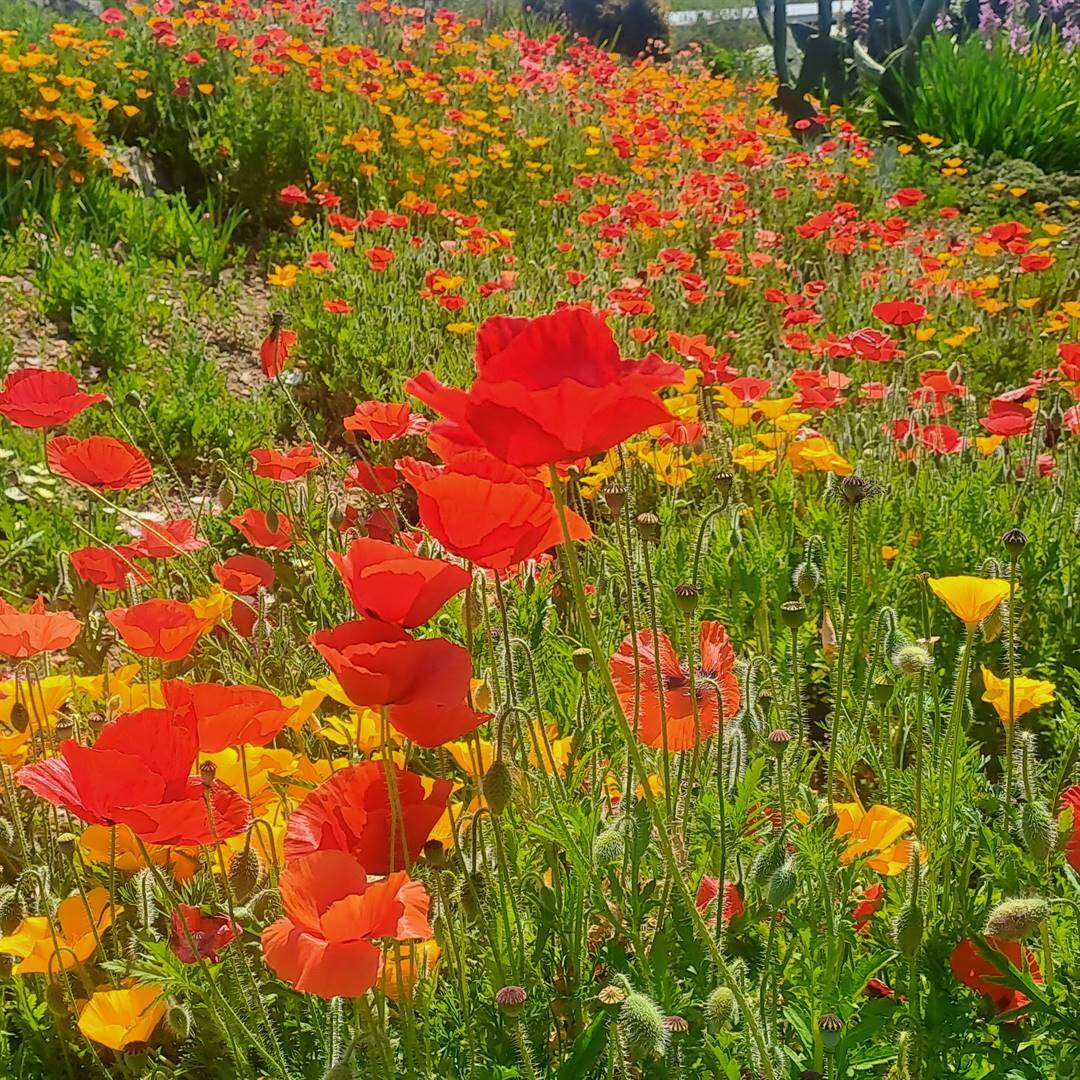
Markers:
245,872
721,1009
782,884
608,847
1015,920
498,786
1037,830
642,1029
767,861
908,930
806,578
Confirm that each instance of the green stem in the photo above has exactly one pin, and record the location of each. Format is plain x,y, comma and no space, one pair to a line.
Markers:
952,740
841,656
664,837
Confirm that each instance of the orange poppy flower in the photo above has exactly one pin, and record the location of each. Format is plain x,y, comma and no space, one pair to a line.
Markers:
382,421
981,974
244,575
325,943
715,671
162,629
225,716
27,633
351,812
75,923
257,532
285,466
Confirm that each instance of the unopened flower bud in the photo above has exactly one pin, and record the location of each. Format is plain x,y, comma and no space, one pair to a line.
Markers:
721,1009
608,847
908,930
1015,920
498,786
912,659
1037,830
226,493
806,578
245,872
725,482
20,716
177,1026
642,1029
12,910
782,885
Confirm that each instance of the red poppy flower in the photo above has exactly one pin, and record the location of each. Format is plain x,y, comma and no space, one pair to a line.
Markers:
108,568
716,668
749,388
285,466
257,532
27,633
100,462
162,629
379,664
978,973
550,389
378,479
274,352
208,933
1008,418
898,312
138,773
351,812
430,724
708,891
244,575
941,439
385,420
40,399
325,943
489,513
1069,351
870,344
164,539
388,583
223,716
1071,799
864,910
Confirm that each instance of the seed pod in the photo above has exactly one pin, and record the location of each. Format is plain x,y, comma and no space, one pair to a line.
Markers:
686,598
615,497
648,526
782,885
435,854
721,1010
908,930
498,786
1014,542
793,613
642,1029
1038,830
1015,920
582,659
831,1029
245,872
608,848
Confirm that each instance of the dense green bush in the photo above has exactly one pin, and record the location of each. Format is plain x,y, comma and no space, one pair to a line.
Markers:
994,99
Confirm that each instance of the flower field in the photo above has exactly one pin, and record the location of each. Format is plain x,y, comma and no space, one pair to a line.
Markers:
520,563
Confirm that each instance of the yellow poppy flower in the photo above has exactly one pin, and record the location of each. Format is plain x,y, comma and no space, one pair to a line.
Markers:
55,690
118,1018
970,599
32,939
216,604
876,835
1028,694
95,845
404,964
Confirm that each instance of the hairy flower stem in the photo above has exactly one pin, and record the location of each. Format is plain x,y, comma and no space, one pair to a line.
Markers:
695,757
663,835
841,656
920,706
952,741
521,1041
1010,727
665,755
796,690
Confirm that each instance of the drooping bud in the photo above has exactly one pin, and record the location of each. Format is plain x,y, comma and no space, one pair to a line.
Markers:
806,578
272,519
20,716
1015,920
767,861
435,854
498,786
225,494
912,659
12,910
245,872
995,622
642,1029
472,894
177,1024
